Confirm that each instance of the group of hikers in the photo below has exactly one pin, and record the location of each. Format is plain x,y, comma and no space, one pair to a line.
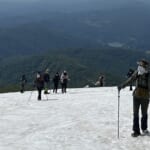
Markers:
141,93
42,82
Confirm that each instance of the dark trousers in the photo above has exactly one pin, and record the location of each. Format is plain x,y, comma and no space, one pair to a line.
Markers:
22,87
130,87
46,86
137,103
39,93
55,87
64,87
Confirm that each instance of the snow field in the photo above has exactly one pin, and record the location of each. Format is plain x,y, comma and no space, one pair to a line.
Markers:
81,119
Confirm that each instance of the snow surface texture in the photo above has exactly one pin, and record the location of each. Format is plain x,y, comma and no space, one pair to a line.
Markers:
82,119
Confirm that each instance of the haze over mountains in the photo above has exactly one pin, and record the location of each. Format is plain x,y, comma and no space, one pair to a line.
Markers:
62,24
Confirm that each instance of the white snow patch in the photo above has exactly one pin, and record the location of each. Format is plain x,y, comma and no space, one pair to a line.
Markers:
82,119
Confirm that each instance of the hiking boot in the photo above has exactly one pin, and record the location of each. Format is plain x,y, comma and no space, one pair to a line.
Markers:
145,132
39,98
135,134
21,91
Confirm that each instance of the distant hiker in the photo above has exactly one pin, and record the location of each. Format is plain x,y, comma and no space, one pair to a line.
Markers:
56,80
46,77
39,83
64,81
100,81
140,96
23,83
129,74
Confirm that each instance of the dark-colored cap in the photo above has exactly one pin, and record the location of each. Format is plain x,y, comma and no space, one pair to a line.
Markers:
143,62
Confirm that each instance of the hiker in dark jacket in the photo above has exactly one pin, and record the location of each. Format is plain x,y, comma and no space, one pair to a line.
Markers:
46,77
140,96
39,83
56,80
64,81
23,83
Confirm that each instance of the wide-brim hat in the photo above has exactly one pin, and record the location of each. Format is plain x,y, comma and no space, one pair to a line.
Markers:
143,62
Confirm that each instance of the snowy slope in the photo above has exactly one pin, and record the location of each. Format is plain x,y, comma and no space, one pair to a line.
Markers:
82,119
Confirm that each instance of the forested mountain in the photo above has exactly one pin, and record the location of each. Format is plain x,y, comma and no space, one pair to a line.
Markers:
83,65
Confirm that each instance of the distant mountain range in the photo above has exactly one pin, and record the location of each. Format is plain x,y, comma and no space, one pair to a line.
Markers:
84,66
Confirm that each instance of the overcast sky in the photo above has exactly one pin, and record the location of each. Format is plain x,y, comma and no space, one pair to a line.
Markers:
62,5
65,0
72,1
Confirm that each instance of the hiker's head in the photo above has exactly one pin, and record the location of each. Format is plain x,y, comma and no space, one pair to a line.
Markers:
38,75
144,63
142,66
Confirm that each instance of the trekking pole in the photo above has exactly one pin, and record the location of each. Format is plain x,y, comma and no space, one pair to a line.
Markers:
118,110
30,96
46,97
49,90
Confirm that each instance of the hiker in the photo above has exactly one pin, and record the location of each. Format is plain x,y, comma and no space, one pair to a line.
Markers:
64,81
39,83
46,77
140,96
56,80
129,74
23,82
100,81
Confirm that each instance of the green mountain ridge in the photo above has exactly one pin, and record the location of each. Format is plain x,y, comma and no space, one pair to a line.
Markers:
83,65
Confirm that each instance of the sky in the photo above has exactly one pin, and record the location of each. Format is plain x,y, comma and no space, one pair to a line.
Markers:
58,5
81,119
69,0
102,2
13,7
